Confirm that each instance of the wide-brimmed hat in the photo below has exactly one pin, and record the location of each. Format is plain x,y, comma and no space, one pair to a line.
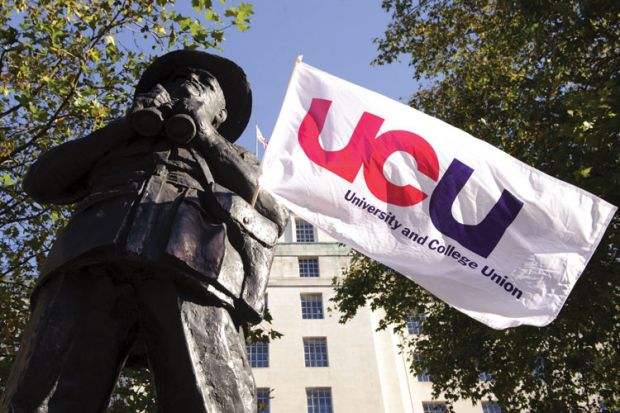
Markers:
231,77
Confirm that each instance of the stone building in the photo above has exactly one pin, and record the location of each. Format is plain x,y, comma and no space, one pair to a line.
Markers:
321,366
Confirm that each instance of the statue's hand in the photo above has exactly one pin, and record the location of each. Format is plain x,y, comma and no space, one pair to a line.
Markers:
207,134
154,98
148,111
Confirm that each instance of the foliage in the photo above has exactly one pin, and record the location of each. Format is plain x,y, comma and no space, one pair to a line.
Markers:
538,79
134,392
263,332
67,67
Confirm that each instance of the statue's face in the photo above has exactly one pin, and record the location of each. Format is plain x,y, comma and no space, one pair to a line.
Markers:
201,93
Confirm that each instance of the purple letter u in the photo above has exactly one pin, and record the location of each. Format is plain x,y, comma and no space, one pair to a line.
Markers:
483,237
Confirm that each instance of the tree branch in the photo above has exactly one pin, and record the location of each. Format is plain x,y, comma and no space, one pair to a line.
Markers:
16,220
94,40
23,262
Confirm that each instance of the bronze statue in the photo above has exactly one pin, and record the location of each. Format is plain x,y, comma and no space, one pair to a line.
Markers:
164,249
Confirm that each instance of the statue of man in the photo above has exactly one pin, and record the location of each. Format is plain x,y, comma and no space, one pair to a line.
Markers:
164,249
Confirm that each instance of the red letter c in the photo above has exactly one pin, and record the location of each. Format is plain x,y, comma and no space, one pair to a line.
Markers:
384,146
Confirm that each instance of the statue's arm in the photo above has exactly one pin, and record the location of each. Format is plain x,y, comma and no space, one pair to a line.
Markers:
237,169
59,175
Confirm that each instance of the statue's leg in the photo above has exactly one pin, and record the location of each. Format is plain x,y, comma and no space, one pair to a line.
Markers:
73,346
196,352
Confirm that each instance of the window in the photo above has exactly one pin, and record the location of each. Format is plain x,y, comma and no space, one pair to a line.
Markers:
258,354
311,306
319,400
262,400
308,267
414,323
315,351
304,232
434,407
490,407
424,377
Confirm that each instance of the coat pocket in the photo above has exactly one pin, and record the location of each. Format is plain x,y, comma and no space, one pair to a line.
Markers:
243,215
197,241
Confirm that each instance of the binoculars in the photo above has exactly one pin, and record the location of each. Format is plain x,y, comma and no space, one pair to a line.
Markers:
180,128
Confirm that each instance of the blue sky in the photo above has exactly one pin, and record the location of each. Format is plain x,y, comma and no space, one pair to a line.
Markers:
333,35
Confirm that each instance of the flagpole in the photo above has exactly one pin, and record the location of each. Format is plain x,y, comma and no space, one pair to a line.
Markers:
257,190
256,142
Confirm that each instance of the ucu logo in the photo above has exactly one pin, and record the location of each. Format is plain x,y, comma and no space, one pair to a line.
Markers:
368,151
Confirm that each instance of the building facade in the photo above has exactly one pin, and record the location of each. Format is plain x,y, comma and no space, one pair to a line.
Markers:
320,365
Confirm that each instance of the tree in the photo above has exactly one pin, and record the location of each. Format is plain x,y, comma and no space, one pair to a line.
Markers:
66,68
538,79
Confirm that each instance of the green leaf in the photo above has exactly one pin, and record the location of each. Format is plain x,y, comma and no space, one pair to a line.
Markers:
585,172
200,5
6,179
210,15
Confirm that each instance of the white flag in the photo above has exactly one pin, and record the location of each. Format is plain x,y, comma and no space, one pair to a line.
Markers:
489,235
